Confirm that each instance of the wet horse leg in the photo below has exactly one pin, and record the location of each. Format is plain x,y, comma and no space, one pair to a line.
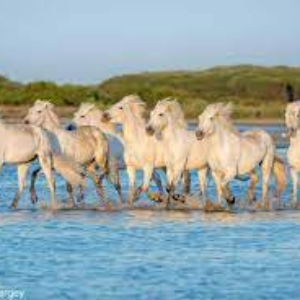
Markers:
98,183
251,189
115,173
33,194
22,172
131,178
294,175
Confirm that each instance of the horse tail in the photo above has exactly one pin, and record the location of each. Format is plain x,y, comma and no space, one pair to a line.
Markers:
102,150
68,169
280,175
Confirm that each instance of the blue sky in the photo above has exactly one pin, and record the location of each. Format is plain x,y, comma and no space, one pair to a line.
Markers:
87,41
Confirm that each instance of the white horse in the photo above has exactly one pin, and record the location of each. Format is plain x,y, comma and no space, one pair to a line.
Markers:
141,152
20,145
87,146
89,114
292,122
183,150
232,154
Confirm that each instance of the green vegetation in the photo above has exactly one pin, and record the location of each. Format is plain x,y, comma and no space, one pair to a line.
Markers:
257,92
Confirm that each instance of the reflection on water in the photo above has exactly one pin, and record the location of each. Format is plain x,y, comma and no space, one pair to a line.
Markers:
147,254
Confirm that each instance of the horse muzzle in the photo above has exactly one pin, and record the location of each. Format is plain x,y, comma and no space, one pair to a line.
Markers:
150,130
199,134
106,117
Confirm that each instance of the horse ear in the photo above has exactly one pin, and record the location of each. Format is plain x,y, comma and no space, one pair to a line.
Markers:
289,92
229,106
48,105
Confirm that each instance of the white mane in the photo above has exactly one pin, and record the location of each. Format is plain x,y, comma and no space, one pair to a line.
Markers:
85,108
175,110
47,105
136,104
221,112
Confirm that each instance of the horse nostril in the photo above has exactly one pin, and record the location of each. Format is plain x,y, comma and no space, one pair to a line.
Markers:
199,134
106,117
150,130
26,122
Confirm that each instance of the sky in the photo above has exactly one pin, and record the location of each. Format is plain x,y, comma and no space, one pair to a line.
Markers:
88,41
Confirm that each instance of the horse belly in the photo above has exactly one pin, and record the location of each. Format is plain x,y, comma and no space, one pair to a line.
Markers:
248,161
18,152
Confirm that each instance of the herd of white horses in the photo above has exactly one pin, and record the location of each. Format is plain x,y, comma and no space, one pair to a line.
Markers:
98,149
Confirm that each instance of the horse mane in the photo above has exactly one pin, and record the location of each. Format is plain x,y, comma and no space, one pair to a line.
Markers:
136,104
223,112
46,104
176,112
85,108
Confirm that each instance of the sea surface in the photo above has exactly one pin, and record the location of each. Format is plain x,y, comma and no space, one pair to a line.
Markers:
146,253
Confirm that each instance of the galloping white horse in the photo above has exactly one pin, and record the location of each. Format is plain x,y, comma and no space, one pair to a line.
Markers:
20,145
87,146
141,152
292,122
232,153
183,150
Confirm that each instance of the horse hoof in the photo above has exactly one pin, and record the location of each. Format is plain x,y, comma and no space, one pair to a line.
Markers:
231,201
155,197
208,206
179,198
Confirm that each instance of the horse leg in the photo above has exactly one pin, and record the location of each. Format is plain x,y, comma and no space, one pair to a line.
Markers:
170,186
70,201
202,182
114,168
46,164
22,172
294,175
266,168
158,181
250,194
186,182
98,183
81,196
148,171
131,178
33,195
217,181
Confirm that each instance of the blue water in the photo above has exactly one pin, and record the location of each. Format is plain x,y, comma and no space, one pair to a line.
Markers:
147,254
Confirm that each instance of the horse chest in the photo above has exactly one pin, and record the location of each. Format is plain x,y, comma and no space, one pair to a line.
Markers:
293,155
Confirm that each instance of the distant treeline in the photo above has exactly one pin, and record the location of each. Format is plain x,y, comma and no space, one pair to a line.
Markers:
257,92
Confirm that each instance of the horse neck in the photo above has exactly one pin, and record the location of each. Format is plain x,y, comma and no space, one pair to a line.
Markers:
224,132
173,131
134,128
50,124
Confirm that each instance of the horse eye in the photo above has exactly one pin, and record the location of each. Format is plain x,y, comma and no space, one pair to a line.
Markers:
82,117
121,108
161,115
39,111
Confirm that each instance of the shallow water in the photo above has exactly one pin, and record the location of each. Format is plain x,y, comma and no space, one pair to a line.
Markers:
147,254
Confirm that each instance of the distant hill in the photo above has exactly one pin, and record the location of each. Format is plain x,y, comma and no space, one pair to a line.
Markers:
257,92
